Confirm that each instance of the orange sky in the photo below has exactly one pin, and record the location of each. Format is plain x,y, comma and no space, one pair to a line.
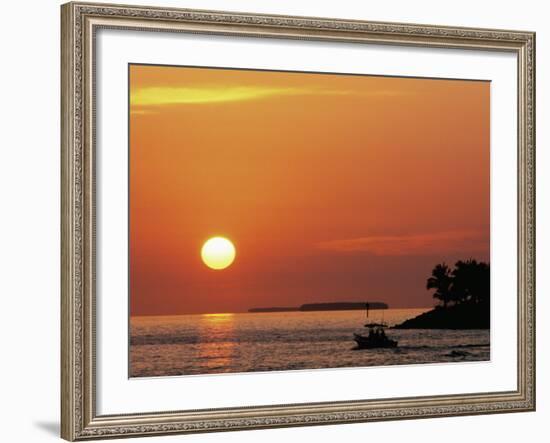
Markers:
332,187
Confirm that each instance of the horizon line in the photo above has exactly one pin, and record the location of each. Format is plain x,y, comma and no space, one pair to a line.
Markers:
248,312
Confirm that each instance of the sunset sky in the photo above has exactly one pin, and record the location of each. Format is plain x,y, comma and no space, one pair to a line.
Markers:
331,187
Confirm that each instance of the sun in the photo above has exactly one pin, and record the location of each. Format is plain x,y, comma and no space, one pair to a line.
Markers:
218,253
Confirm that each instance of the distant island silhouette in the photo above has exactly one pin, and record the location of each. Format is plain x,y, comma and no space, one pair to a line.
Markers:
274,309
331,306
464,295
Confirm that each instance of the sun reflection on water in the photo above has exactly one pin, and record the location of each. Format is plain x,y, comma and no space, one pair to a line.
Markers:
217,346
223,316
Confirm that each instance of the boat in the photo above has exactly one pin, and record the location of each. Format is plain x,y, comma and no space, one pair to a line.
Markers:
376,338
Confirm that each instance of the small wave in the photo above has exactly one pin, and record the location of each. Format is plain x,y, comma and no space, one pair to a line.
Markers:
454,353
442,347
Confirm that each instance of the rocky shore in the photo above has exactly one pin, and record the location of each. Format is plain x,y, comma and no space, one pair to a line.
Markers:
463,316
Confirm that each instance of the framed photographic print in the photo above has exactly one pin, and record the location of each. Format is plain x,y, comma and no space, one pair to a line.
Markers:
282,221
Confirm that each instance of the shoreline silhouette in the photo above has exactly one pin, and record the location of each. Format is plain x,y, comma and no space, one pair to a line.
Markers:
464,294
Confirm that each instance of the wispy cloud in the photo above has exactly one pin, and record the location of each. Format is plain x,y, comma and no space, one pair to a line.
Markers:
412,244
137,111
157,96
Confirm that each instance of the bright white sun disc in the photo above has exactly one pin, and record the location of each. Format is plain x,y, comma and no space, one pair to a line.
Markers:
218,253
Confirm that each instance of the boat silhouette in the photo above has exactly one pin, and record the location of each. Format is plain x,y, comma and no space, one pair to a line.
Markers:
376,337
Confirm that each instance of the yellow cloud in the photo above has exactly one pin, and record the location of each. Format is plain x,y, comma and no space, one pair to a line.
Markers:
157,96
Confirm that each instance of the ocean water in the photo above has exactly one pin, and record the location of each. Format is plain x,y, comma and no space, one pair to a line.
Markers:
281,341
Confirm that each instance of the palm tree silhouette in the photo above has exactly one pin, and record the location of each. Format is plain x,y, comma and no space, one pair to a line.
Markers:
471,281
441,280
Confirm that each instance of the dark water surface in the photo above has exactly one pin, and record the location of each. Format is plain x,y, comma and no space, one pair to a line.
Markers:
221,343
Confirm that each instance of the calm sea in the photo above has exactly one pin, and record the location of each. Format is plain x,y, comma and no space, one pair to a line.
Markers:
218,343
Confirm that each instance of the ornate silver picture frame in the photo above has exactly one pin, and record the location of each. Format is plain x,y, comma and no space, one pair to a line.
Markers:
80,23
